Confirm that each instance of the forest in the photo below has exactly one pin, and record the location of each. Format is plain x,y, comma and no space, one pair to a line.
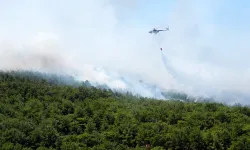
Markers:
44,112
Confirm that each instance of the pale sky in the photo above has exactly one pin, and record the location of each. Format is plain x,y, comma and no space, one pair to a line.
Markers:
207,43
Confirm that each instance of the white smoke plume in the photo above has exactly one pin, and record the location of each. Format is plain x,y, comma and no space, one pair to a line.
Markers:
73,36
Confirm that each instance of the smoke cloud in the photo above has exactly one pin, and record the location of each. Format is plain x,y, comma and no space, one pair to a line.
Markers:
75,37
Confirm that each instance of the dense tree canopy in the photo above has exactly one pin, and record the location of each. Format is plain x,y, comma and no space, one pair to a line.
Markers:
39,113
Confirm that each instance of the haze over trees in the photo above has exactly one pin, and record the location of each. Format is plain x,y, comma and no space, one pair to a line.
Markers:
49,112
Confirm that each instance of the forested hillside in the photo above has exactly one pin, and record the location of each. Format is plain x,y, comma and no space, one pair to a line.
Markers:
43,113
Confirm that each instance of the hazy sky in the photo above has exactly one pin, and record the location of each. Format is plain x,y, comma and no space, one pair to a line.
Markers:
207,42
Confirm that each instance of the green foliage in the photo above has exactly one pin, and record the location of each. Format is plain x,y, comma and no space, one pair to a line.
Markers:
41,113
